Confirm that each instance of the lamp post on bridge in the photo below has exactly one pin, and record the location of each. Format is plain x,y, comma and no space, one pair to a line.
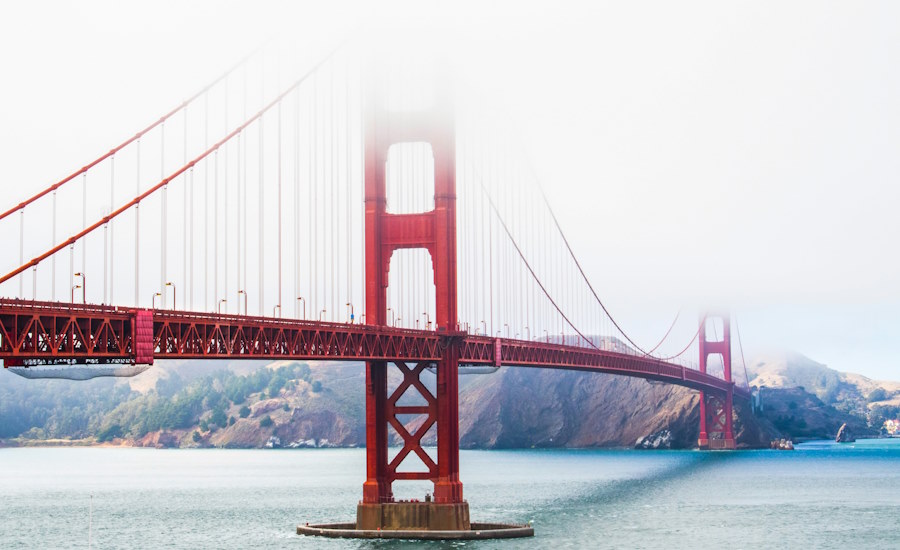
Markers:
393,321
153,299
73,292
547,335
427,320
507,329
300,299
222,301
352,316
483,328
83,288
245,299
321,315
277,308
171,284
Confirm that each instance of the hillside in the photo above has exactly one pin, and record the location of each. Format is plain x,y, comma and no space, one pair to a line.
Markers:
851,393
244,404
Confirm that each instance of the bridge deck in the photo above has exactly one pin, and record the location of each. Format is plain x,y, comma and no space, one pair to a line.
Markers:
50,332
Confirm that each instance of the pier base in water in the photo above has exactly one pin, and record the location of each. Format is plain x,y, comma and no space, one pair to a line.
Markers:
477,531
415,520
428,516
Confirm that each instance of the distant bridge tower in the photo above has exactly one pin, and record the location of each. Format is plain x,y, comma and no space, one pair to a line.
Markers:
434,231
716,411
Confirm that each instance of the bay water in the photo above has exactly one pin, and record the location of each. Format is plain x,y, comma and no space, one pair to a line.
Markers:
823,495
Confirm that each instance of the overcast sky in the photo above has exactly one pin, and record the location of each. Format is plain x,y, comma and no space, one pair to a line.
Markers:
737,154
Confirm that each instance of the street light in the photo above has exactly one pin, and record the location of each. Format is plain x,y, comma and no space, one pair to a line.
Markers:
393,321
352,316
83,288
321,314
245,299
528,333
483,328
427,319
153,299
276,307
362,319
398,320
171,284
222,301
73,292
507,329
300,299
547,334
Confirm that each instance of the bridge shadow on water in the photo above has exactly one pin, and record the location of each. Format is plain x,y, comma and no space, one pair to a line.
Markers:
563,521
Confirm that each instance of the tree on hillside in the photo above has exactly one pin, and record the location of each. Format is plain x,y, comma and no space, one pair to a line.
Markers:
878,394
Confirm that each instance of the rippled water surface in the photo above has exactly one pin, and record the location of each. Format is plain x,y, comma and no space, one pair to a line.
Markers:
821,496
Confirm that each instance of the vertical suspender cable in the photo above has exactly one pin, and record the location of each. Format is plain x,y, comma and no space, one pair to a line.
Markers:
279,209
105,255
163,213
310,136
333,182
314,204
296,204
347,178
83,227
137,230
215,205
244,207
21,251
185,236
112,239
206,205
53,261
237,216
262,254
190,238
225,211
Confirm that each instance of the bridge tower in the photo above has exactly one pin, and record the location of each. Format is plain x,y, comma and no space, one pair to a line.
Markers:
434,231
716,411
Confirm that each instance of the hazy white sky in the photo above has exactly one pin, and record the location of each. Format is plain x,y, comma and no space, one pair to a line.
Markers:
741,153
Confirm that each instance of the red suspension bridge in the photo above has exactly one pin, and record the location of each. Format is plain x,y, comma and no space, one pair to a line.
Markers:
369,192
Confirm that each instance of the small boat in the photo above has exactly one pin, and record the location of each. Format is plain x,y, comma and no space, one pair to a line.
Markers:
782,445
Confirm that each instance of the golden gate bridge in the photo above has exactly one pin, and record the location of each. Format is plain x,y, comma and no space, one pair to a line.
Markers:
386,225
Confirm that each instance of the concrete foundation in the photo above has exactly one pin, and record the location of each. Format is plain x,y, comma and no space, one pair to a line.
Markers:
717,444
424,516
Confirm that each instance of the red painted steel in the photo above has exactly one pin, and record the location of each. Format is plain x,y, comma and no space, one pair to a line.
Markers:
716,410
143,337
434,231
51,331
